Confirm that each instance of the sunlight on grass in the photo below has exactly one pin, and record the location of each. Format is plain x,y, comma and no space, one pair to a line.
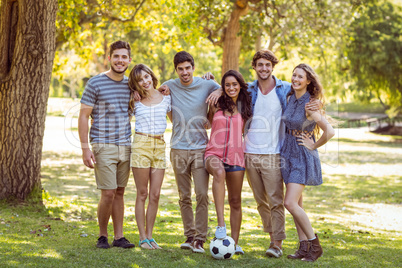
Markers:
356,212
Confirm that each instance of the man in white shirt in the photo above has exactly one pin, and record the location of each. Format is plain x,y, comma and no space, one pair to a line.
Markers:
263,141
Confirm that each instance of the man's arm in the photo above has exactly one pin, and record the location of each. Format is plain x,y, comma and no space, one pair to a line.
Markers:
214,96
164,89
87,156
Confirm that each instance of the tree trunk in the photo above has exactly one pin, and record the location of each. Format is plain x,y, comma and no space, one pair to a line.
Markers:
27,47
258,42
231,37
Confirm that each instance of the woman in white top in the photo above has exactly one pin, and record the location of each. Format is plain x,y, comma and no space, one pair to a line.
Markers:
148,159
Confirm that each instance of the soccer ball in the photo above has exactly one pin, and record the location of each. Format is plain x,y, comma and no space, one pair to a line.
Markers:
222,248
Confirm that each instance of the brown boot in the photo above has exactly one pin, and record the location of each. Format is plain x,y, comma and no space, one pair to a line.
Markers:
301,252
315,250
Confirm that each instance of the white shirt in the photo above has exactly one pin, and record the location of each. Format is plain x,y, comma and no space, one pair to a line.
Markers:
152,119
266,129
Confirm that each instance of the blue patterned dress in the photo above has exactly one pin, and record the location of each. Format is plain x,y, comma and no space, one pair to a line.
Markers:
300,165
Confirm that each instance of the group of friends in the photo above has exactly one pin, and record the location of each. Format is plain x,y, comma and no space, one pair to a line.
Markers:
267,129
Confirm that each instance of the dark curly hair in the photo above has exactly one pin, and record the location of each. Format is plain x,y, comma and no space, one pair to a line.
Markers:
225,103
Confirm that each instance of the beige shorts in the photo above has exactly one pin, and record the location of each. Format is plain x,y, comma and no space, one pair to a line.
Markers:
148,152
112,167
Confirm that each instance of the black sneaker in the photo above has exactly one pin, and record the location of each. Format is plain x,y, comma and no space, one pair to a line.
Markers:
102,242
122,243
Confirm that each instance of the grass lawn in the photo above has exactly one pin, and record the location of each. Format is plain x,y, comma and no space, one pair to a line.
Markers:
356,107
356,212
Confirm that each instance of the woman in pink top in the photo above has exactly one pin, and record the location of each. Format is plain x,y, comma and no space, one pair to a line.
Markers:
224,156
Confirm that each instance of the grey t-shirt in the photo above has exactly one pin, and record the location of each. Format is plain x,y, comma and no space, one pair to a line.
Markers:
109,99
189,112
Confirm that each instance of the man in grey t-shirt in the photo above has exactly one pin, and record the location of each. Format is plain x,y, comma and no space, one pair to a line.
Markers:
189,139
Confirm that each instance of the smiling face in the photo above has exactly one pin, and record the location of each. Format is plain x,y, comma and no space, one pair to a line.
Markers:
299,80
145,81
185,72
232,87
263,68
119,60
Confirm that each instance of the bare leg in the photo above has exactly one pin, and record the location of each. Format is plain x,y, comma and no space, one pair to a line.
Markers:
105,210
118,213
153,203
141,178
234,182
214,167
293,194
300,233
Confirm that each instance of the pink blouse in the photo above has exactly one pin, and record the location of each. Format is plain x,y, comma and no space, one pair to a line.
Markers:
226,141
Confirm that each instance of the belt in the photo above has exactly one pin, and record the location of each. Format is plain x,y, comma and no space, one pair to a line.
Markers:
297,132
160,137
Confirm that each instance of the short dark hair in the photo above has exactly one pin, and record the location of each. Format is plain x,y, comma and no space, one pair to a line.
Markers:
118,45
181,57
265,54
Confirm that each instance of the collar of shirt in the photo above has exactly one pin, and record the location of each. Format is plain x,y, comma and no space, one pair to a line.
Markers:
302,98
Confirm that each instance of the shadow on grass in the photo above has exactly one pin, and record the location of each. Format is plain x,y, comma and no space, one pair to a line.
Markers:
367,189
64,245
362,157
69,218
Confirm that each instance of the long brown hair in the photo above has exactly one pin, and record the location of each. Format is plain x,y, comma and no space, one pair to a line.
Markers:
314,88
243,102
134,77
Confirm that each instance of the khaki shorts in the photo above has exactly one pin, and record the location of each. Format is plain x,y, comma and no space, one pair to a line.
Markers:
148,152
112,167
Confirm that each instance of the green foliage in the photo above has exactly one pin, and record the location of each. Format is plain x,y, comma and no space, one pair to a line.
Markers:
354,45
374,53
86,32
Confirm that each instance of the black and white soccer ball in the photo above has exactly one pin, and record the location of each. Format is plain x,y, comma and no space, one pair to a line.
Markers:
222,248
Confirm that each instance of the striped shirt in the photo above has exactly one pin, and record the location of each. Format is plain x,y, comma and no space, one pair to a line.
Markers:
152,119
109,99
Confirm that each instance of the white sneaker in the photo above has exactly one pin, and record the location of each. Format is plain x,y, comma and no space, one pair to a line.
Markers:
274,251
220,232
238,250
188,244
198,246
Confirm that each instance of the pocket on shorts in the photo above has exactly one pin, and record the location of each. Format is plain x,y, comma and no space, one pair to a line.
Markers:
97,148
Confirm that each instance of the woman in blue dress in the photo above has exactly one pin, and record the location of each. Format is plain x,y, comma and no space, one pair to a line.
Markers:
301,163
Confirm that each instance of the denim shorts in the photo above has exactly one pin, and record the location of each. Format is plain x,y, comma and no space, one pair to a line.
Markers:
232,168
227,167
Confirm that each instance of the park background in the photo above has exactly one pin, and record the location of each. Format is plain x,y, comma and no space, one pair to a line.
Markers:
49,49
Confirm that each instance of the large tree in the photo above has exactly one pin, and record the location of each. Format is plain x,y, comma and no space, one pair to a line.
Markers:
298,25
27,48
373,53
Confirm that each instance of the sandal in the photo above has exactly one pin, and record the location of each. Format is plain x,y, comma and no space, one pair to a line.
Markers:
145,241
153,240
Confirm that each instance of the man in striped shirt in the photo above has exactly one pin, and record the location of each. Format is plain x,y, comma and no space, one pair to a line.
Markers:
105,100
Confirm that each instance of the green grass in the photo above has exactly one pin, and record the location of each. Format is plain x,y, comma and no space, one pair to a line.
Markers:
63,232
355,107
